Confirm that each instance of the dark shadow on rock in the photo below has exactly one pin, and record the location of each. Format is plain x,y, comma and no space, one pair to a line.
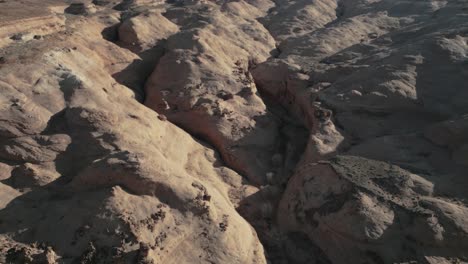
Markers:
68,85
83,149
52,215
134,76
124,5
111,33
55,214
280,247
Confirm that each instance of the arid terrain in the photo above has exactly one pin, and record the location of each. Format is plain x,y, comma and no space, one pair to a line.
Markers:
234,131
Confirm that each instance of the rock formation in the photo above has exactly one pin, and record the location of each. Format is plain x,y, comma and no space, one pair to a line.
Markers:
250,131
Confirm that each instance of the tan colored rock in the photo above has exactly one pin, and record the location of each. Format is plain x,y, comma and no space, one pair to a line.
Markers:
233,131
145,30
121,175
29,175
5,171
353,203
7,194
190,82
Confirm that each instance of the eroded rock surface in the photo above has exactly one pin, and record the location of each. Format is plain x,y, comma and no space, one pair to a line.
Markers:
255,131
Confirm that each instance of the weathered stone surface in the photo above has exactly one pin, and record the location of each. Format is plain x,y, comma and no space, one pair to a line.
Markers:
257,131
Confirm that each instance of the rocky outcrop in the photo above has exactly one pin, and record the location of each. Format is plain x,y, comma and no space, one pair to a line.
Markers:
103,184
80,9
252,131
364,206
145,30
29,29
365,84
203,84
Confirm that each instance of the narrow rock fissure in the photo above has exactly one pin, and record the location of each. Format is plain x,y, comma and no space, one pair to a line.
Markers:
135,76
290,147
287,247
282,247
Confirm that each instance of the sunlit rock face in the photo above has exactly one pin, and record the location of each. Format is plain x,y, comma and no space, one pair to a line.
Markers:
255,131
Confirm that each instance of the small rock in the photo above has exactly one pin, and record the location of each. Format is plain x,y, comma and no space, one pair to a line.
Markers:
17,36
325,85
223,227
48,256
322,114
356,92
270,177
89,255
162,117
144,254
224,224
225,95
246,92
206,197
373,35
19,255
